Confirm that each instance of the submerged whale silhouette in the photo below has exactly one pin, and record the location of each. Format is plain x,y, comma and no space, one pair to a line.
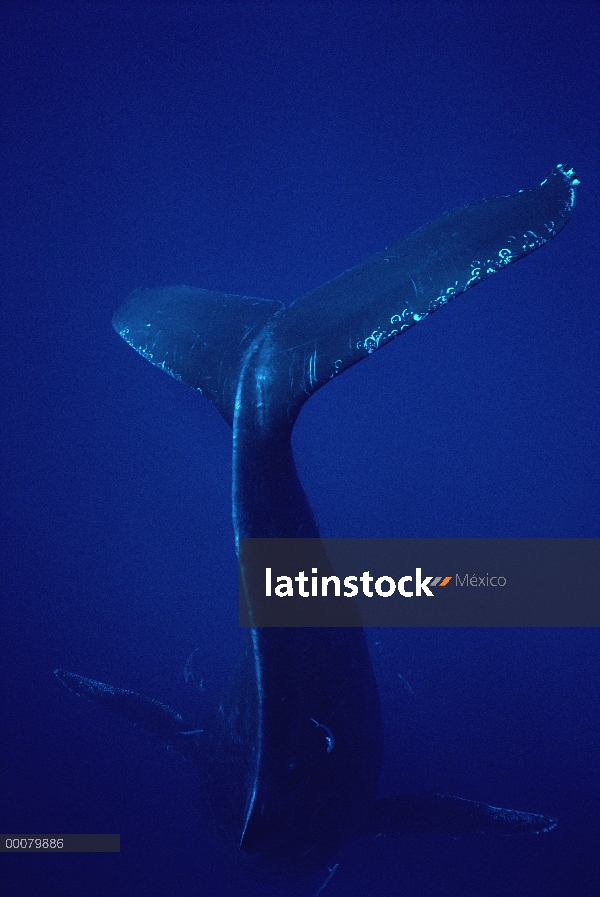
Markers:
290,758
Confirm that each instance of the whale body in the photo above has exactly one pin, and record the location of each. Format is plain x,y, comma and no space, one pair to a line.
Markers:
290,758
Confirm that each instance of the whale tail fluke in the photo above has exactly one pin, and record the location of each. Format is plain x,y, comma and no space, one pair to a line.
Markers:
202,337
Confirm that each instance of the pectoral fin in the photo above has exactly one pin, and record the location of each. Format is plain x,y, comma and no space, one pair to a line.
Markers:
147,713
447,815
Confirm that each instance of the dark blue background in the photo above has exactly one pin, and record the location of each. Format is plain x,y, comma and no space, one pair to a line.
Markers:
262,148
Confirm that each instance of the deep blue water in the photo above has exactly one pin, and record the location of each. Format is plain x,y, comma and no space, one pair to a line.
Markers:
261,149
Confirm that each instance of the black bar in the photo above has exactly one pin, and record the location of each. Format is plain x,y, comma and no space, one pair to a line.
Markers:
422,582
60,843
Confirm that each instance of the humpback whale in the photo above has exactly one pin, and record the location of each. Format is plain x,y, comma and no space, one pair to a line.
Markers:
290,757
